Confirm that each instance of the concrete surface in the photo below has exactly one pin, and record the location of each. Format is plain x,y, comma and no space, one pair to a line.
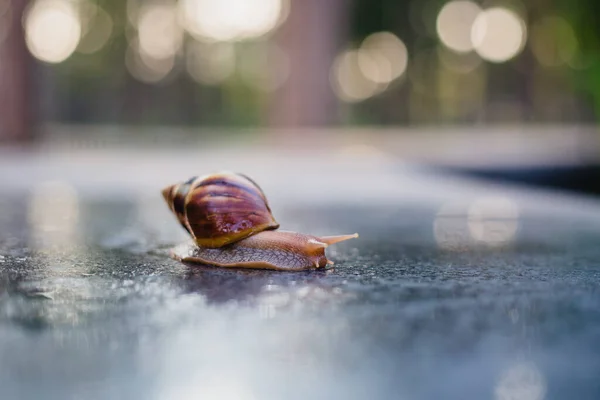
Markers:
455,289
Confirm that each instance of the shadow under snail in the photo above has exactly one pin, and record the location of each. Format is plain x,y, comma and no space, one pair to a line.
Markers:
229,219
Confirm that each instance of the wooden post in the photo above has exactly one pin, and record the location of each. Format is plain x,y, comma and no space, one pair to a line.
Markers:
311,36
15,63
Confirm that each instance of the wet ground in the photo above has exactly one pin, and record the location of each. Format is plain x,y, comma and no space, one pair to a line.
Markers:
454,290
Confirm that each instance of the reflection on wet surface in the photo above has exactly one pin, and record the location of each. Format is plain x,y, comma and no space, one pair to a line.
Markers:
480,300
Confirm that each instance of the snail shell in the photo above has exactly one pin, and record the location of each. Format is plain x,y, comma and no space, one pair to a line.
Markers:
220,209
229,218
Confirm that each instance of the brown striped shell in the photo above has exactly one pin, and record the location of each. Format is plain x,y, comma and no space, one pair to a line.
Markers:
220,209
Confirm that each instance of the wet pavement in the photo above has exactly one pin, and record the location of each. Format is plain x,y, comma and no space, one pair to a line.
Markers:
454,290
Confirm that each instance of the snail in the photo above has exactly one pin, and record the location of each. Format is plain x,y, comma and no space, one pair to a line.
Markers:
230,222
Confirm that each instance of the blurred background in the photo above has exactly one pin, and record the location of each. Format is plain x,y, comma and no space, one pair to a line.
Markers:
519,81
340,109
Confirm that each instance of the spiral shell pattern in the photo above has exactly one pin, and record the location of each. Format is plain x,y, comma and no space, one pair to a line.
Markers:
220,209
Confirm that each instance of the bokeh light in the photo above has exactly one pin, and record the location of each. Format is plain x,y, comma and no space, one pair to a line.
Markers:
52,30
493,221
132,10
53,214
210,63
97,28
522,381
454,24
498,34
230,20
484,222
348,81
358,74
201,386
553,41
147,69
160,35
382,57
450,227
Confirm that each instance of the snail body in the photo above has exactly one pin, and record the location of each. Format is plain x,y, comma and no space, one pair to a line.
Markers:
231,225
277,250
